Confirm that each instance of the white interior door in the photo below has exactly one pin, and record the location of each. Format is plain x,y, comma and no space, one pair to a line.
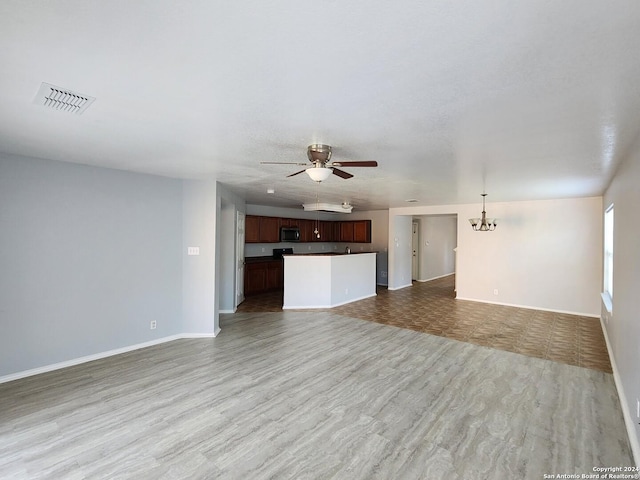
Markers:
415,248
240,260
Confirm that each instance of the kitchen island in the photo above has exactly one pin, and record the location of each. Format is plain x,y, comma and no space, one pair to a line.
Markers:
328,280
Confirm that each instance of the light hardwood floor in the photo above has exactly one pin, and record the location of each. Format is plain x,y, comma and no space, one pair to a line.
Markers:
311,395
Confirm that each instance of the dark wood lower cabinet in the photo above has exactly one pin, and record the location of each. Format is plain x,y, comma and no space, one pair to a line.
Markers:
263,276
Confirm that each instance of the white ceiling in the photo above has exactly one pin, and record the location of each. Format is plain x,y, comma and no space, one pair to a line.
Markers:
530,100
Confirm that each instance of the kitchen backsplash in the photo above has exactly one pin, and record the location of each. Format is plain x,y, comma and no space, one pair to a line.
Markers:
266,249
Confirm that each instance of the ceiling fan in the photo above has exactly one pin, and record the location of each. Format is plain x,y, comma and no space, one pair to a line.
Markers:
320,156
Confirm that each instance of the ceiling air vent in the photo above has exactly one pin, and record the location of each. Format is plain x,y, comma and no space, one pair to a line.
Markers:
62,99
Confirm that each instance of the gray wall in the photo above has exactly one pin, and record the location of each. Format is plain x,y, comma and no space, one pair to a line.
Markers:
227,266
623,325
438,238
88,257
226,255
400,250
198,271
379,240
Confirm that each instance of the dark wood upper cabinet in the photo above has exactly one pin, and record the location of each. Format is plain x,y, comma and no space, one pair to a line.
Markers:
346,231
335,231
252,229
260,229
306,230
362,231
269,229
326,231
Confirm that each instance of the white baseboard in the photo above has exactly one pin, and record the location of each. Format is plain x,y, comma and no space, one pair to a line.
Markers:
310,307
354,300
200,335
435,278
624,405
529,307
400,287
101,355
85,359
227,311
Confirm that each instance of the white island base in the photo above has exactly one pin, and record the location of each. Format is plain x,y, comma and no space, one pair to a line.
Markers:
324,281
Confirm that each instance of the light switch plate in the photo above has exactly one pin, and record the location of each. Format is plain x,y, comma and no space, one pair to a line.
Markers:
193,250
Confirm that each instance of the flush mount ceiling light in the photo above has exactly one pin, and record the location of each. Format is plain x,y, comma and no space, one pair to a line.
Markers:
483,224
327,207
318,174
62,99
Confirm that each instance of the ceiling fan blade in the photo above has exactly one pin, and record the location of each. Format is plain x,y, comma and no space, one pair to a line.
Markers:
282,163
367,163
342,173
297,173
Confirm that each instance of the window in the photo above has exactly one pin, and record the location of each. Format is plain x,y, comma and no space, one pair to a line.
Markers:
608,252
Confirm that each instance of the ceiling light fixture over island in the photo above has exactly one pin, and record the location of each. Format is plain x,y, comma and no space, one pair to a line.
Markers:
328,280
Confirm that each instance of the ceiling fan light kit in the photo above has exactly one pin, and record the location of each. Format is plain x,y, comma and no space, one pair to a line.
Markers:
320,156
318,174
483,224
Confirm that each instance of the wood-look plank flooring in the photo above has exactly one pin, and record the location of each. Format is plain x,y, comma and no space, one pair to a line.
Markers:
431,307
311,395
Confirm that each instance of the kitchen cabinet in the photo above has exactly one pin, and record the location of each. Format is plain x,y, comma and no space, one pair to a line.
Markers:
252,229
346,232
362,231
335,231
322,230
358,231
269,229
306,230
288,222
275,276
263,276
326,231
262,229
259,229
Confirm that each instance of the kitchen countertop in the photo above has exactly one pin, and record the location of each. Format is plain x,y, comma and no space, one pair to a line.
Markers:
328,254
269,258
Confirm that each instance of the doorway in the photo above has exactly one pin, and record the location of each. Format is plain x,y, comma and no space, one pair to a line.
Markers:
415,251
240,259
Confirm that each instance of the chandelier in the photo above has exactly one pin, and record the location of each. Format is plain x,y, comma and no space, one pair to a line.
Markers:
483,224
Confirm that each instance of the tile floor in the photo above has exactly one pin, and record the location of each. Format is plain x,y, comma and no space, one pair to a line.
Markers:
431,307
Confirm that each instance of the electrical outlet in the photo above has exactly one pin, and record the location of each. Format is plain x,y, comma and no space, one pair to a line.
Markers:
152,325
383,274
346,291
495,291
309,247
262,249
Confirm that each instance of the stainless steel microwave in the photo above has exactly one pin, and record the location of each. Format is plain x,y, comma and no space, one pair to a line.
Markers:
289,234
